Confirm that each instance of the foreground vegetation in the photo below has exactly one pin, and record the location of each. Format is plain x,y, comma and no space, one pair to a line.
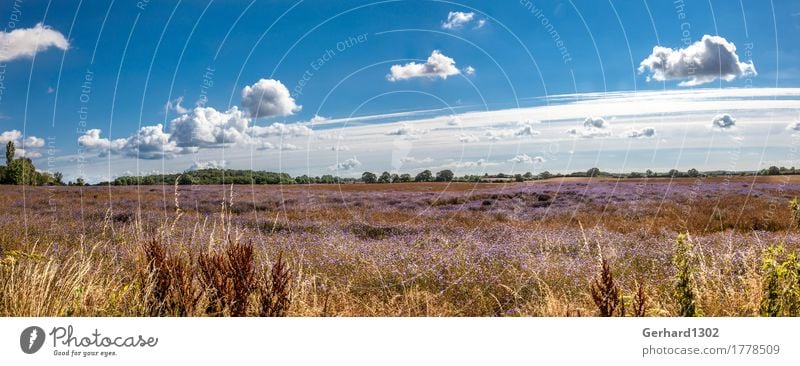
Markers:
543,249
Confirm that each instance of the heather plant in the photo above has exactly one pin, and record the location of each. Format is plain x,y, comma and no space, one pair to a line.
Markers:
685,286
780,286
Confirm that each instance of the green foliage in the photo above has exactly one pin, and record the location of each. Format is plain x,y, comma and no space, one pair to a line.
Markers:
386,177
794,205
685,288
10,152
593,172
424,176
780,283
444,175
208,176
369,177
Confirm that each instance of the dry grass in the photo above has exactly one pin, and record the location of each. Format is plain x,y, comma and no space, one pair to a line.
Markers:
381,250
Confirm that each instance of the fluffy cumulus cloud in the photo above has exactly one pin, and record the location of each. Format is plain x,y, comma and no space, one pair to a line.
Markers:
268,98
645,132
704,61
454,121
26,42
150,142
437,66
525,159
348,164
469,70
207,127
592,127
211,164
723,122
30,147
794,127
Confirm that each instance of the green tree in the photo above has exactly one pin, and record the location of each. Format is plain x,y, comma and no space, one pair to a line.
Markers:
594,172
59,178
424,176
693,173
405,177
21,172
385,178
10,152
369,177
444,175
773,170
545,174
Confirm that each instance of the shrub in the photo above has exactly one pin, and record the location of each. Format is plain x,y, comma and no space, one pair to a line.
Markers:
684,262
794,205
780,287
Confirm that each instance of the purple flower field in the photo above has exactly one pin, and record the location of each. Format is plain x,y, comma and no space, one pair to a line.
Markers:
418,249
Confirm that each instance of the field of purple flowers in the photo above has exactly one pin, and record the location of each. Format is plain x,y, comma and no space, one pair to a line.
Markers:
418,249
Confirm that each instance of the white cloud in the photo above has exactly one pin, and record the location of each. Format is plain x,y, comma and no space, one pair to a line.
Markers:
704,61
211,164
413,160
454,121
207,127
592,127
794,126
437,65
471,164
405,130
175,105
526,130
339,148
268,98
481,23
525,159
723,122
318,119
26,42
150,142
29,147
465,138
348,164
270,146
469,70
645,132
280,129
457,19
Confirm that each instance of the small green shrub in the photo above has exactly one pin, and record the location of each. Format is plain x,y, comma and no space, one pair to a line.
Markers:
780,287
685,288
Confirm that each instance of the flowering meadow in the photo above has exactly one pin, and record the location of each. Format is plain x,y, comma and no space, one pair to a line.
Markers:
564,247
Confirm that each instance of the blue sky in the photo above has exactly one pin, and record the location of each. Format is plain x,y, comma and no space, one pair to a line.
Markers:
472,86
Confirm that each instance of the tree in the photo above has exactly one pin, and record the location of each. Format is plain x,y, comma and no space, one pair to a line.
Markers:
59,178
635,175
528,175
519,178
444,175
385,178
545,174
10,153
693,173
21,172
674,173
395,178
648,173
773,170
424,176
80,182
405,177
369,177
593,172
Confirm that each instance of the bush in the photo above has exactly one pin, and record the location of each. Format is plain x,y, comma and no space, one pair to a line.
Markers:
684,262
780,287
